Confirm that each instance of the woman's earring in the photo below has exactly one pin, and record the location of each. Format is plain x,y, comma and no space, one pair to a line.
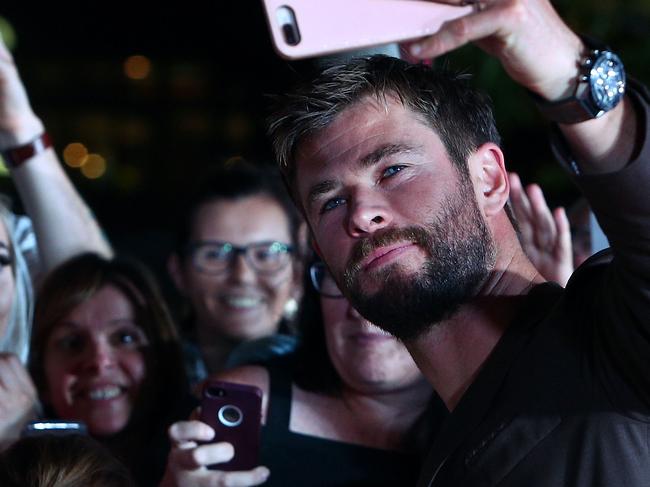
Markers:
290,309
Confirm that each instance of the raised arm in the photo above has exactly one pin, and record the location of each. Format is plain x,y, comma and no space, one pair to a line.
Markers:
540,52
610,158
63,223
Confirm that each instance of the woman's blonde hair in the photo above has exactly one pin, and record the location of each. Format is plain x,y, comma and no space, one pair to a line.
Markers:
21,239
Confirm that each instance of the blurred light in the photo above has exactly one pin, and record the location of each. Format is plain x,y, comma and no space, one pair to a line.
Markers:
133,131
137,67
128,177
189,82
95,166
8,34
239,127
3,169
75,154
234,160
194,124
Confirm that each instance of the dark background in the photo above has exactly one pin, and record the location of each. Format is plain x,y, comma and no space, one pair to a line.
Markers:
204,100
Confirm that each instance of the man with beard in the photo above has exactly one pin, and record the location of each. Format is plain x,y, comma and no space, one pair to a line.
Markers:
399,173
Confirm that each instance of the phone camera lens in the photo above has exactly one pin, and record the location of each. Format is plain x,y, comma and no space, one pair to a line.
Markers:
291,35
230,415
286,19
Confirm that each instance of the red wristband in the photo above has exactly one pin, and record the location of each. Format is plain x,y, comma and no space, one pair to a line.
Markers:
18,155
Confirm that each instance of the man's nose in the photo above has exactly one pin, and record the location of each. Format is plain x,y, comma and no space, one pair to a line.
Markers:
368,214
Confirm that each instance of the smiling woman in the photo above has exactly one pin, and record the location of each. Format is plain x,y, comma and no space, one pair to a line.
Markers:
237,263
349,408
104,350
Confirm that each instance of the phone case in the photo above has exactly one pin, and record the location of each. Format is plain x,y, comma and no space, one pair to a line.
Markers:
307,28
234,411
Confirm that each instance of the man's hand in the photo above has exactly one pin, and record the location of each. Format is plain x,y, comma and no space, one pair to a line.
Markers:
187,462
533,43
539,51
545,236
18,398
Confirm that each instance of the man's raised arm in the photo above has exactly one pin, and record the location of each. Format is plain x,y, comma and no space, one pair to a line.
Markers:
541,53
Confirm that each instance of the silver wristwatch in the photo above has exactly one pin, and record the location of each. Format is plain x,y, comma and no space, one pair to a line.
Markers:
600,87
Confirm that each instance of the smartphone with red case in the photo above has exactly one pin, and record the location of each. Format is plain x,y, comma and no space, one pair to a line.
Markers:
234,411
308,28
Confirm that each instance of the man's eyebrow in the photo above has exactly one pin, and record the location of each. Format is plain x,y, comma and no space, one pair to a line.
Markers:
386,150
4,246
319,189
369,159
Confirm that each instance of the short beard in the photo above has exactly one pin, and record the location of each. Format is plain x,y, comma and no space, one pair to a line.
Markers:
461,253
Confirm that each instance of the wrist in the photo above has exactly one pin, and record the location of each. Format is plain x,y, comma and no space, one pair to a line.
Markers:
566,71
21,133
597,87
17,155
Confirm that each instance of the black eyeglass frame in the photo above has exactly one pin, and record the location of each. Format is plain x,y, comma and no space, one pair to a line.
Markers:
314,269
236,250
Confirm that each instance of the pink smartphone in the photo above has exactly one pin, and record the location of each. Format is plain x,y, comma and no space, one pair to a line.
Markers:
234,411
308,28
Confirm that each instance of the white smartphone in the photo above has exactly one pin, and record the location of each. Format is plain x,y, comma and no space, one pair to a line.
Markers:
309,28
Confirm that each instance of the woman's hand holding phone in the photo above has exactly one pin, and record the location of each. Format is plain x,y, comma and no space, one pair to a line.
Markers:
18,398
190,456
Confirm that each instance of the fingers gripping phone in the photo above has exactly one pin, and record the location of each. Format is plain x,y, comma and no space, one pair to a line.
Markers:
308,28
234,412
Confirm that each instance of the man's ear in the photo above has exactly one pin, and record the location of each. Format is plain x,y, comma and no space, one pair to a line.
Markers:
175,270
488,171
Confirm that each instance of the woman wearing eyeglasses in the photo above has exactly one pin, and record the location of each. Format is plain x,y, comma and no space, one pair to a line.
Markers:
347,409
237,263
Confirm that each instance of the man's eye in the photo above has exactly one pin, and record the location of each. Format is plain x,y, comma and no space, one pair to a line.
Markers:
331,204
392,170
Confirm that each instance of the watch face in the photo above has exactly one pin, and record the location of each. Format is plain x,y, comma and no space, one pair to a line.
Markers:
607,81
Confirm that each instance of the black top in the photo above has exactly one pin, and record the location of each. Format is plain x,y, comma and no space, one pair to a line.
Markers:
298,459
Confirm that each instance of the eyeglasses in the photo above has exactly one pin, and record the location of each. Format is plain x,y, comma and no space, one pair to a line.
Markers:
215,257
323,281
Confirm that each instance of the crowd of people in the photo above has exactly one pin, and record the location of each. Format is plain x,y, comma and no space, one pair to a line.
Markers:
410,312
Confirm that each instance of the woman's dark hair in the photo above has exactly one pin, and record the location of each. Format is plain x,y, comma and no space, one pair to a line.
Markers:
314,371
161,399
234,181
70,461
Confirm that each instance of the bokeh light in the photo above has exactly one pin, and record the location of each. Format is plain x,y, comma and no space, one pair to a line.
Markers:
3,169
234,160
75,154
8,33
137,67
95,166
